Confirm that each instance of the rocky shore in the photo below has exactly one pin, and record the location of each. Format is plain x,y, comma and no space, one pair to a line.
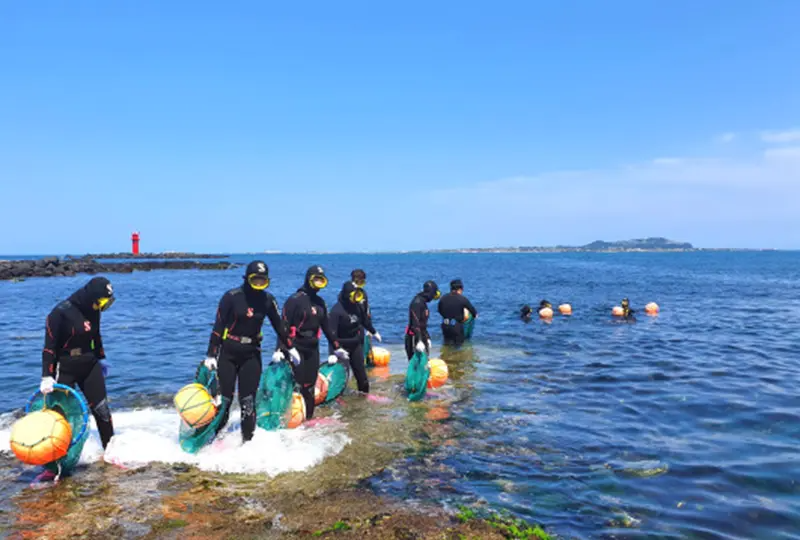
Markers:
55,267
166,255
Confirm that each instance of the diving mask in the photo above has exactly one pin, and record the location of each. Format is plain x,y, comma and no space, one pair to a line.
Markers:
258,281
437,295
103,304
357,296
318,282
360,283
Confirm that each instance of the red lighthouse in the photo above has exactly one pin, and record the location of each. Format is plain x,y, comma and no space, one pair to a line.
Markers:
135,241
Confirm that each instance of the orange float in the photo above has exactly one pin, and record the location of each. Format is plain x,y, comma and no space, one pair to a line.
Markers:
565,309
439,373
195,405
651,308
546,313
41,437
320,389
297,412
380,356
617,311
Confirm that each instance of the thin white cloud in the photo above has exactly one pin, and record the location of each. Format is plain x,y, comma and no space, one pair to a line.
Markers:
787,136
726,138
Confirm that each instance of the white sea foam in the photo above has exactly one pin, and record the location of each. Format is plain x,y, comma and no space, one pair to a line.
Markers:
146,436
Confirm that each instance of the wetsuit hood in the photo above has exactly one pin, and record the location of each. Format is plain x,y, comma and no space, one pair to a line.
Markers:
310,273
85,297
430,291
256,269
525,312
348,288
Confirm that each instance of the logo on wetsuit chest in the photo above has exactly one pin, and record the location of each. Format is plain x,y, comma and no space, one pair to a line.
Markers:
353,319
87,326
313,310
249,312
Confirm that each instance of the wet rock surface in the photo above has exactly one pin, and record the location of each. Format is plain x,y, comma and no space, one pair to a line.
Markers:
55,267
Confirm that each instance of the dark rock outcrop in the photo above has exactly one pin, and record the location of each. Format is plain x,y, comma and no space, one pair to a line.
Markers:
126,255
53,267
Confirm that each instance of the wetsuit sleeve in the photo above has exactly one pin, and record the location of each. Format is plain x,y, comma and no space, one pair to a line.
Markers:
275,320
99,352
223,316
289,322
419,321
367,319
326,329
51,332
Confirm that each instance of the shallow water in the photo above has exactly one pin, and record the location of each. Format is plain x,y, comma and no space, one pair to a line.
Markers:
681,425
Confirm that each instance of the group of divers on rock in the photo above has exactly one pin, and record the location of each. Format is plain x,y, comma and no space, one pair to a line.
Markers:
54,430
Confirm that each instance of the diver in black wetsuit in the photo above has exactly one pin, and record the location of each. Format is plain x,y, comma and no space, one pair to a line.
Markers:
417,336
451,307
234,348
627,312
306,316
359,278
73,349
525,313
346,321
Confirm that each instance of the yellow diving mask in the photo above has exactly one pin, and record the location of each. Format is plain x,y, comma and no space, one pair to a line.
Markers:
258,281
357,296
103,304
437,295
318,282
360,283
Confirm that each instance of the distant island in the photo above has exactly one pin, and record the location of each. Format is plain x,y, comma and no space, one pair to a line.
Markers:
652,244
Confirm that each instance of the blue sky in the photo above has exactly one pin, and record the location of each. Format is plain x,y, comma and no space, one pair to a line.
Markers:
368,126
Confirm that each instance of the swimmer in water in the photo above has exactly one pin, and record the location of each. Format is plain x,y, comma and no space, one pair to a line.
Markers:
627,312
525,313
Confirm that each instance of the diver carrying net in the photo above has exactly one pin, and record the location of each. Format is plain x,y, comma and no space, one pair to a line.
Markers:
69,403
195,437
274,396
417,376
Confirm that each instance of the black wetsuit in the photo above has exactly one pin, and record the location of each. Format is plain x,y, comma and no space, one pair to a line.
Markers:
367,314
236,341
73,348
346,321
417,329
451,307
306,318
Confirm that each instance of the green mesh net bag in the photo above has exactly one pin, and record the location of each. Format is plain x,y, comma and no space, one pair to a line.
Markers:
417,376
193,439
469,326
70,403
368,351
336,374
274,395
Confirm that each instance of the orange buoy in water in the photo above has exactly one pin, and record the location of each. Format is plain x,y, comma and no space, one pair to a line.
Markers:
565,309
651,308
320,389
380,356
195,405
617,311
438,374
297,412
546,313
41,437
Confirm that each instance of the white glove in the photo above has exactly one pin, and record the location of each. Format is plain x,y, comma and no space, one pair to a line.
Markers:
332,359
294,356
377,336
217,400
210,363
430,345
277,356
47,385
341,354
420,346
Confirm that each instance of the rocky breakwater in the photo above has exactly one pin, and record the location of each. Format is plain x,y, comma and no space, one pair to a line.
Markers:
55,267
165,255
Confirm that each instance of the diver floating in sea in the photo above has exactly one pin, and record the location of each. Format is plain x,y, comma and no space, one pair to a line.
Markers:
305,315
234,348
454,308
624,311
417,336
73,350
347,321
